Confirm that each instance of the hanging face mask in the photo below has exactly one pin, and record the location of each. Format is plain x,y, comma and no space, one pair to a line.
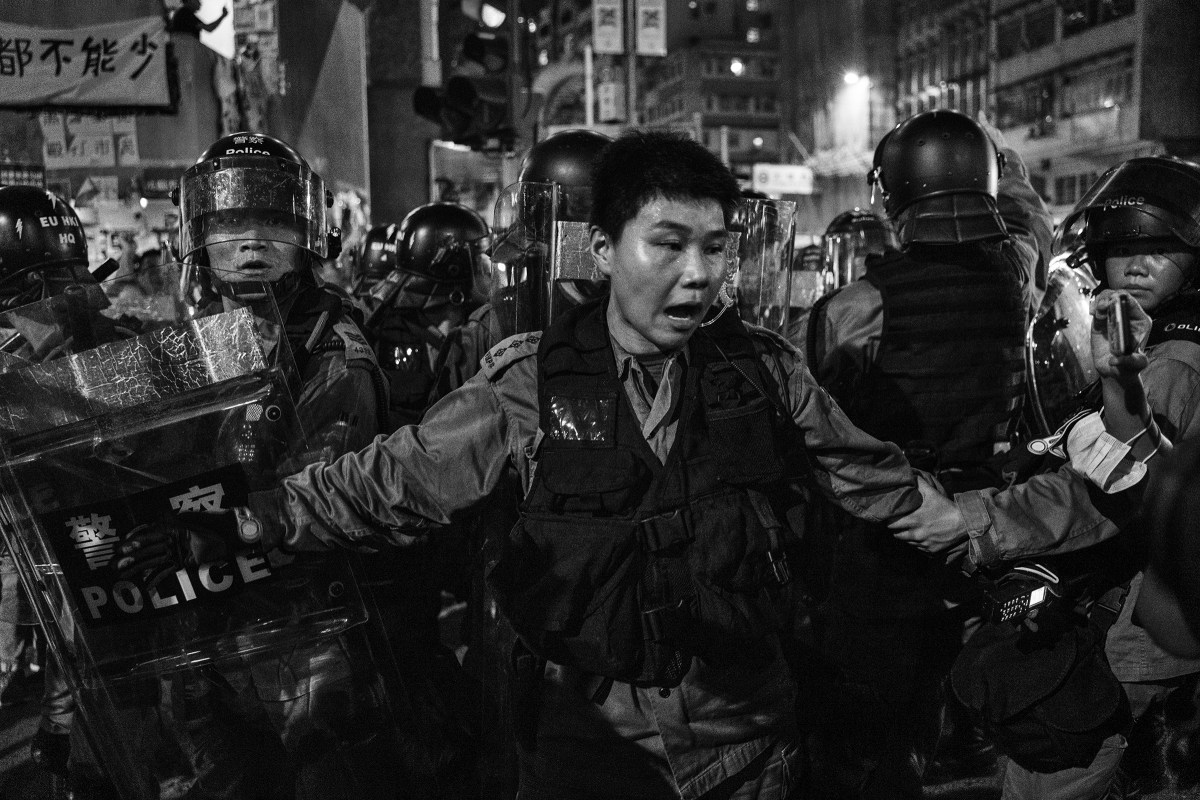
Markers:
1102,458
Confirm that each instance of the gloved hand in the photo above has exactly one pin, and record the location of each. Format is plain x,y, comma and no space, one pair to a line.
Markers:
155,550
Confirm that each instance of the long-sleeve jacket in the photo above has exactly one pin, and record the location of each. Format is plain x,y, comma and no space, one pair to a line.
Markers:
421,477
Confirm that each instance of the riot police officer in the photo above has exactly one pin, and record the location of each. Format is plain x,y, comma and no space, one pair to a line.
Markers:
925,351
851,237
419,307
540,233
253,227
375,259
43,254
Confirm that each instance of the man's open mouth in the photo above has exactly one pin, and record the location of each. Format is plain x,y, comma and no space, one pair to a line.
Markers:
254,265
683,311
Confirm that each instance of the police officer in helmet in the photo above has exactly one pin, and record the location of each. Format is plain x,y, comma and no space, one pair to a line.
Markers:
943,386
376,258
418,309
553,187
43,248
253,228
851,237
43,254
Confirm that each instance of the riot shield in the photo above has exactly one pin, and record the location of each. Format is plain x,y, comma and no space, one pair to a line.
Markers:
764,274
1058,348
112,424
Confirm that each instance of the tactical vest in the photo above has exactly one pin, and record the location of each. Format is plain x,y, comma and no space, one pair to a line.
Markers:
950,370
317,320
402,347
626,567
1179,320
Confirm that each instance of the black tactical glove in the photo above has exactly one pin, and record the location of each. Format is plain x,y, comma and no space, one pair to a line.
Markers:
155,550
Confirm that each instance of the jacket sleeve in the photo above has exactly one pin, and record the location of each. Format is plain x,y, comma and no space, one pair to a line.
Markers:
1030,227
1061,511
870,479
403,485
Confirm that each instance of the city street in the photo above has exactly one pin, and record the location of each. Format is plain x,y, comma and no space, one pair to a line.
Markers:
20,779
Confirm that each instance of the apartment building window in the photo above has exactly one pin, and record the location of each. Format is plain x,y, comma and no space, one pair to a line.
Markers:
1082,15
752,5
1024,103
1010,35
768,68
1065,190
1039,26
1027,29
1101,83
753,35
1038,182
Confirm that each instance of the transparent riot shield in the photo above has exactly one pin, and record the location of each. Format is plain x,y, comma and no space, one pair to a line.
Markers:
115,423
1058,349
764,274
523,239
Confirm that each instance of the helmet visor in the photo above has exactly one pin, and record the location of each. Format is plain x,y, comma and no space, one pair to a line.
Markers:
225,200
523,233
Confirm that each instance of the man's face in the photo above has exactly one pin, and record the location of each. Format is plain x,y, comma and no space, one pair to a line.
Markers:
253,252
1149,271
665,271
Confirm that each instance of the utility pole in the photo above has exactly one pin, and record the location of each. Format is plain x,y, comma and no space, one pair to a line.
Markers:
631,62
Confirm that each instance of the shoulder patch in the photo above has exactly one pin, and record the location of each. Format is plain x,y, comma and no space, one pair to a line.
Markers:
511,350
352,338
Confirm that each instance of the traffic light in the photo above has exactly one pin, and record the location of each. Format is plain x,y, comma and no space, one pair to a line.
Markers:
471,111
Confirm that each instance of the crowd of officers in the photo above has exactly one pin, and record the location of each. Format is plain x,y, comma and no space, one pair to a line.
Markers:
684,556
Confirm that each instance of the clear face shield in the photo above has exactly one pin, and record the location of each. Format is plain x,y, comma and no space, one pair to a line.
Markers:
251,220
525,231
765,238
845,257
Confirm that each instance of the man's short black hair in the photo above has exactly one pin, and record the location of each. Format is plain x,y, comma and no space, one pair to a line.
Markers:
643,165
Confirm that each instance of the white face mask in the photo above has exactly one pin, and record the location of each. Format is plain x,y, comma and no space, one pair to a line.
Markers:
1101,458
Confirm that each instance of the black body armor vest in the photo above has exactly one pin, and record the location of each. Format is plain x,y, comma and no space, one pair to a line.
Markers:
626,567
401,347
950,370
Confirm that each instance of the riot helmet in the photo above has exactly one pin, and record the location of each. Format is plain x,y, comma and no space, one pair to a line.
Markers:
850,238
252,212
439,247
42,246
1152,201
939,172
377,255
566,159
540,259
